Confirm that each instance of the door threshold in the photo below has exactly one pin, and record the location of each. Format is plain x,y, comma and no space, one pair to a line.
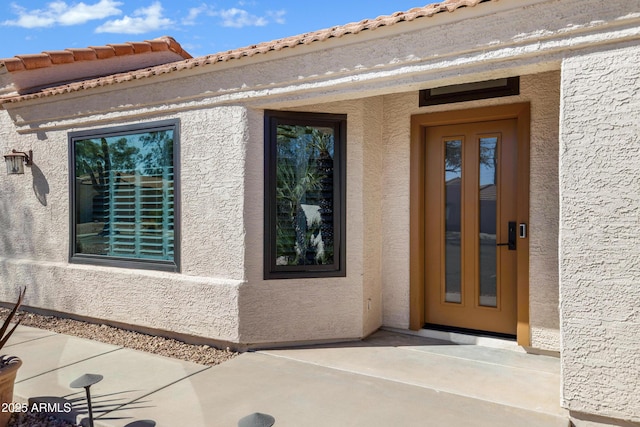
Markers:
466,331
463,338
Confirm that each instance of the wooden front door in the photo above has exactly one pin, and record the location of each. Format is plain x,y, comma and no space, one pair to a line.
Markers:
470,225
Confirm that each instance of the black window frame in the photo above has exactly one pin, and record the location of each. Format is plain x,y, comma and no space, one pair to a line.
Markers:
339,124
458,93
124,262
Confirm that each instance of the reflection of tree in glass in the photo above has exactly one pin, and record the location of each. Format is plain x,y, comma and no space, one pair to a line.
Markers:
96,160
304,176
488,157
453,157
324,162
158,152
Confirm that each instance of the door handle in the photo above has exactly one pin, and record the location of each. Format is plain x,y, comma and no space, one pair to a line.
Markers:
512,231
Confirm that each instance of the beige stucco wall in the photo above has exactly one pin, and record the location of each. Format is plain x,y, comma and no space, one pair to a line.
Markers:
34,244
220,136
599,240
321,308
219,292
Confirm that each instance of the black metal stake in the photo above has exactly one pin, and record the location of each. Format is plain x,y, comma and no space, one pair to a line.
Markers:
89,405
86,381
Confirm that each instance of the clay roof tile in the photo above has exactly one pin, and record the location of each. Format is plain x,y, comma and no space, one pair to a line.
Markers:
14,64
158,45
122,49
66,56
104,52
36,60
140,47
83,54
60,56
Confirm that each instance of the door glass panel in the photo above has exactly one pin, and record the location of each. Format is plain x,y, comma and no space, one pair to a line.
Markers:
487,220
453,211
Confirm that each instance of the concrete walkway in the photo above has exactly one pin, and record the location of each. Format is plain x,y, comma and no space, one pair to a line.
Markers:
389,379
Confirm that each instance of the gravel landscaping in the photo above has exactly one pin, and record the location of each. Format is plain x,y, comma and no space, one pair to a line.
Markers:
201,354
37,420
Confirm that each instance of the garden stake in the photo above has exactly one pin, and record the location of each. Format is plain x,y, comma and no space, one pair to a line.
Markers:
86,381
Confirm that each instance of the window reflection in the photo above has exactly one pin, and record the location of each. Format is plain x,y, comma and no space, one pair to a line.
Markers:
453,186
124,195
304,195
487,220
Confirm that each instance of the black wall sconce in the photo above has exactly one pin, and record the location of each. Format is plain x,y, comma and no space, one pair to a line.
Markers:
16,161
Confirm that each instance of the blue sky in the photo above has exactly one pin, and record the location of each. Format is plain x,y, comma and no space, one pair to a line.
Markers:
200,26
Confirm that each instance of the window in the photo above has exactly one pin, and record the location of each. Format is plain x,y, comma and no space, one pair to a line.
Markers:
124,198
304,195
470,91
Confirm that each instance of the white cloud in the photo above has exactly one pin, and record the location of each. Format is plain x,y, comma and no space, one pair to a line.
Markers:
61,13
277,16
235,17
194,12
238,18
144,20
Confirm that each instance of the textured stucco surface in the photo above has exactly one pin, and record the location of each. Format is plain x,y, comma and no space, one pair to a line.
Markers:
543,210
213,168
599,240
190,305
34,244
328,308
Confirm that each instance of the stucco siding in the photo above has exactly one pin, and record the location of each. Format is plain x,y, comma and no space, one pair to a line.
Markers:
374,78
213,154
395,205
387,186
371,121
201,300
222,221
317,309
600,207
188,305
544,92
34,206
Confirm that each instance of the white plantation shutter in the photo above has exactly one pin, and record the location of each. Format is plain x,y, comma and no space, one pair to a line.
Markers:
141,214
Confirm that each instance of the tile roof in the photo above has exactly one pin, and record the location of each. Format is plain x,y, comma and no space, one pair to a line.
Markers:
92,53
190,63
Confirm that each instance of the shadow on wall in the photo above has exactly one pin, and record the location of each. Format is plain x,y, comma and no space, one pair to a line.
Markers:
40,185
18,239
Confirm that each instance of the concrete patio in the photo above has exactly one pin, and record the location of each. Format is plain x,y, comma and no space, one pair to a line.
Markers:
388,379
